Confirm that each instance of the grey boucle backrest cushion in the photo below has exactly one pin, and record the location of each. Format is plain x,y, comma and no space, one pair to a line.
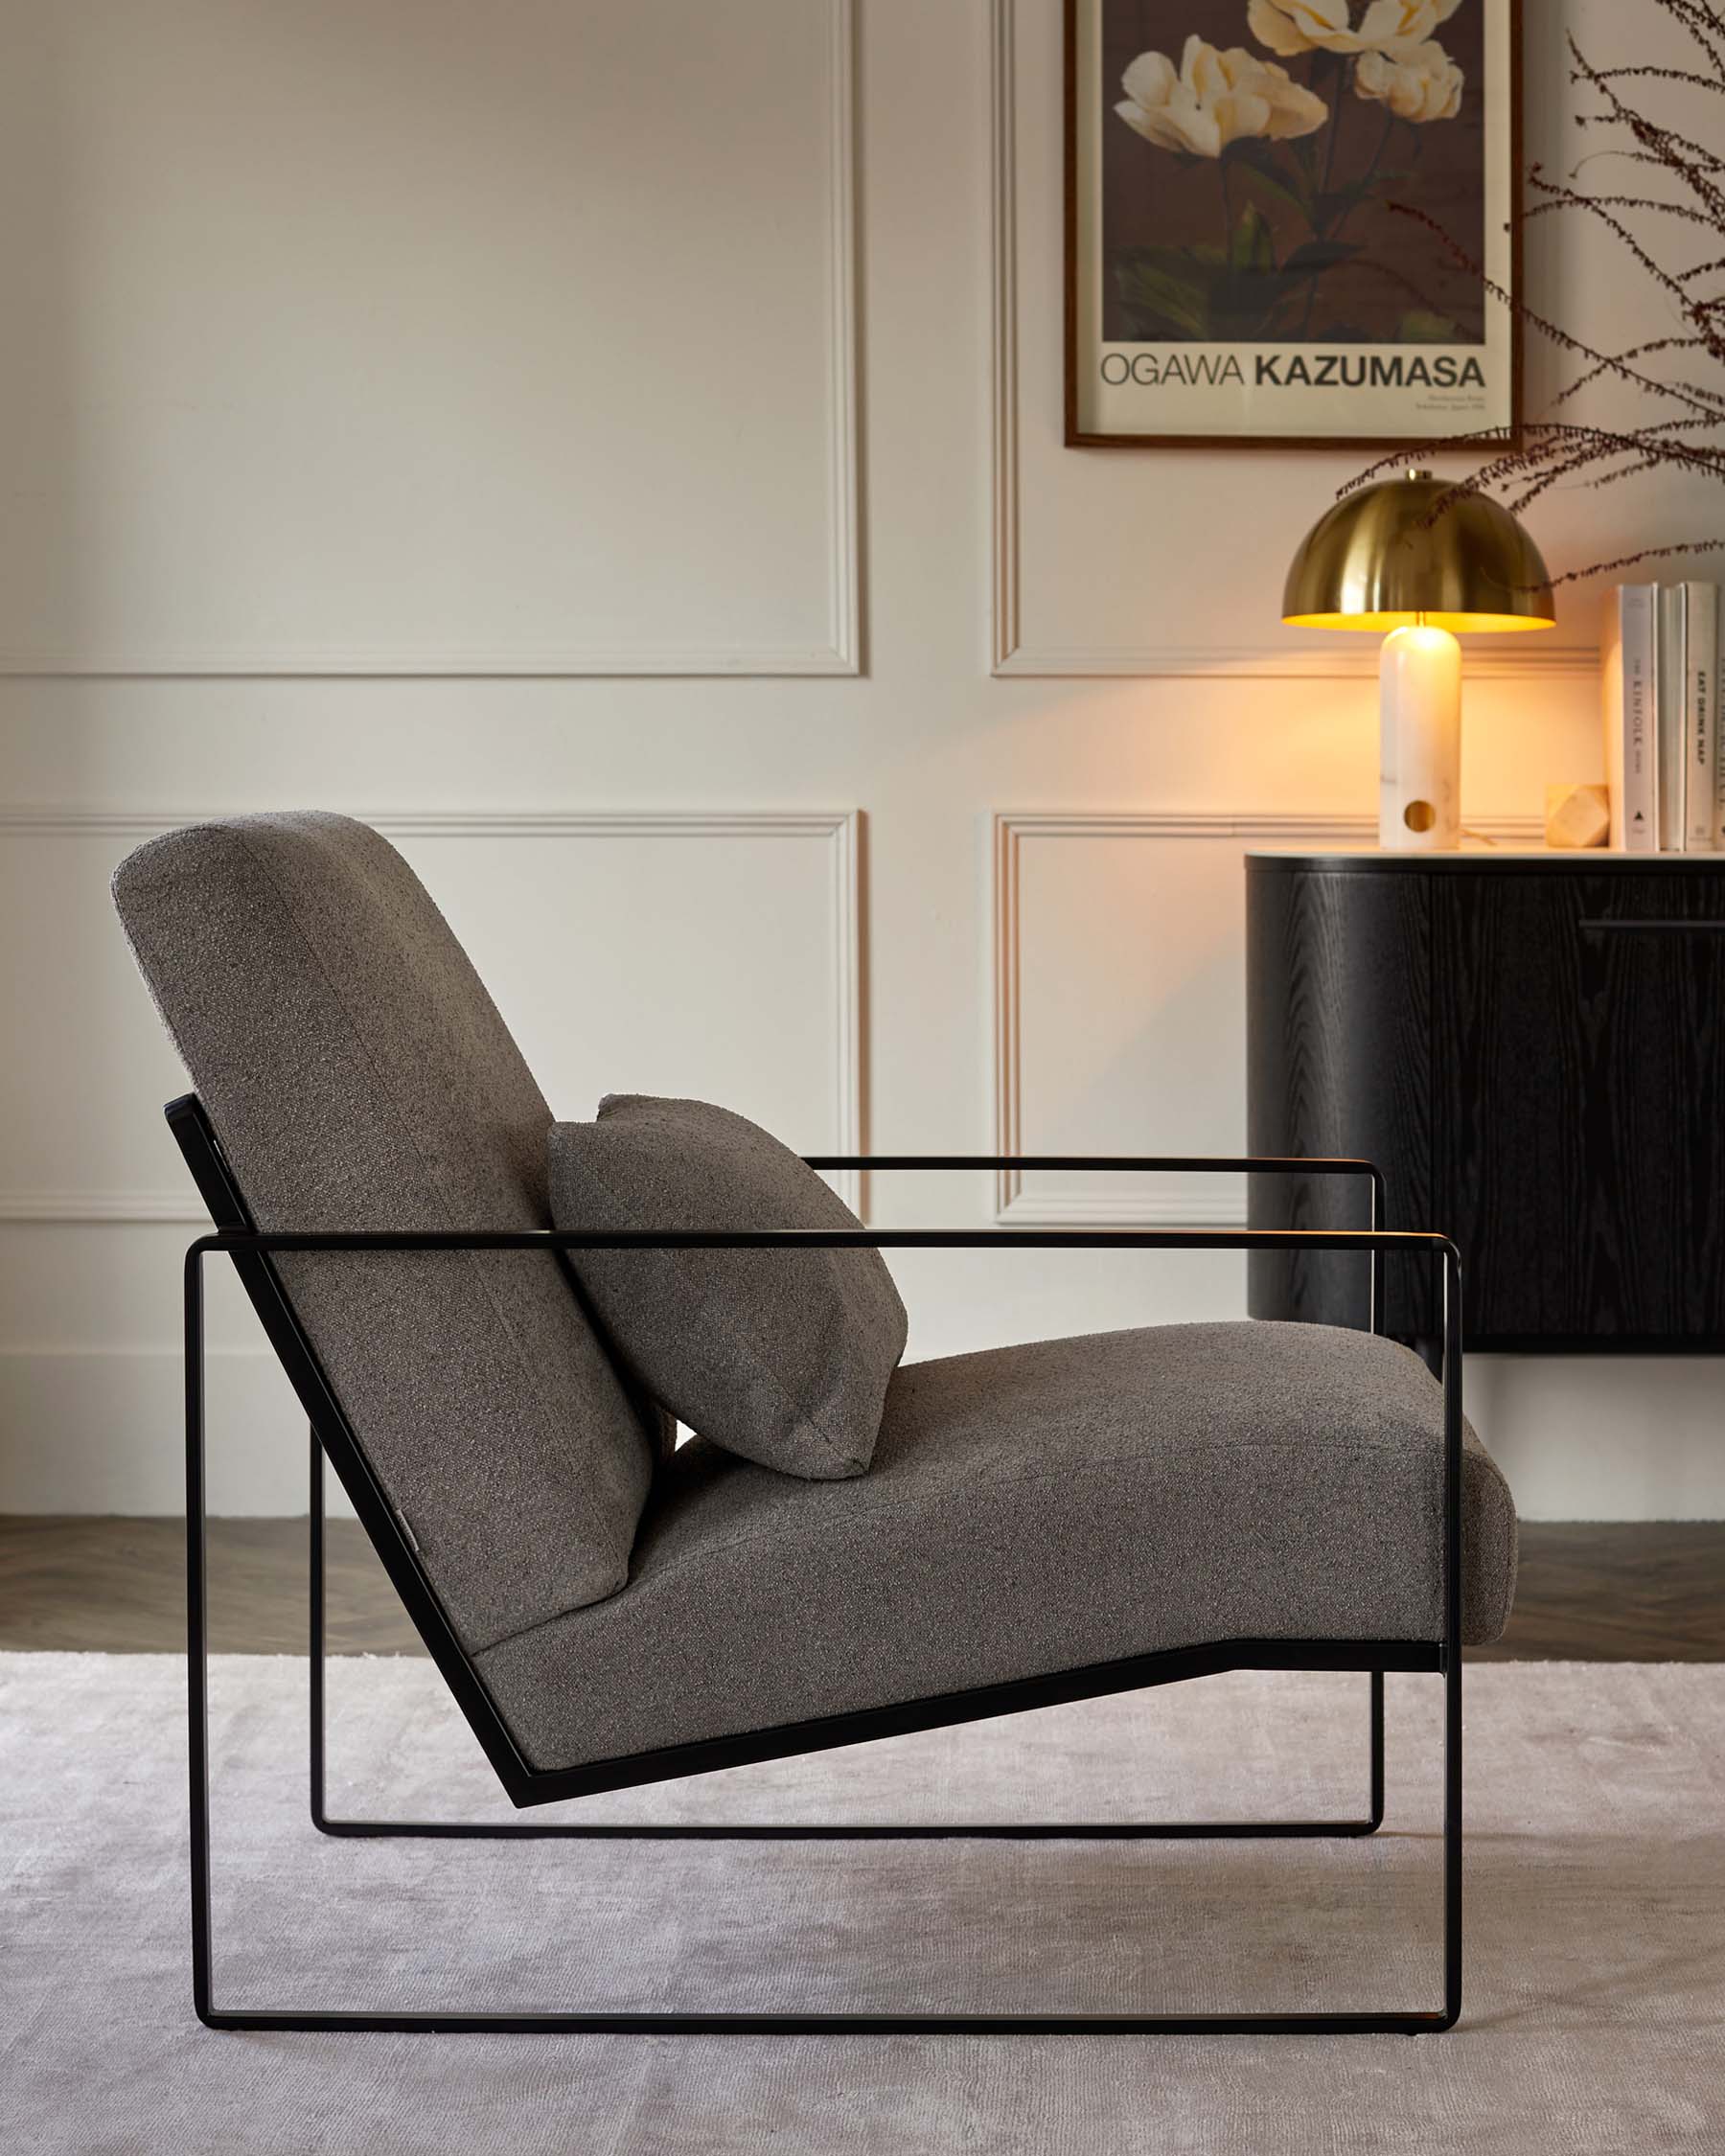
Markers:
780,1355
358,1077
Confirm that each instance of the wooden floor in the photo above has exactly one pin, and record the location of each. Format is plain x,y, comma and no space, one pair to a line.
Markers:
119,1587
1587,1594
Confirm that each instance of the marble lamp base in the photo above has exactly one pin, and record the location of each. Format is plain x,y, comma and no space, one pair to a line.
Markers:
1419,773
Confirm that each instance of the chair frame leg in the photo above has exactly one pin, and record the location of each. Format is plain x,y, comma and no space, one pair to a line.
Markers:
312,2019
252,1252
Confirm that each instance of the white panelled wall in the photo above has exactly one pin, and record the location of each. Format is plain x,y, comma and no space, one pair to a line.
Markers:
617,448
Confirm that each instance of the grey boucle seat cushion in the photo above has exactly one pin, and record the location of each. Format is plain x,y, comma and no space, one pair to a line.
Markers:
358,1077
1030,1509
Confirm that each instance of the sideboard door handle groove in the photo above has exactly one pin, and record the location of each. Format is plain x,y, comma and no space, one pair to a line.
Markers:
1652,928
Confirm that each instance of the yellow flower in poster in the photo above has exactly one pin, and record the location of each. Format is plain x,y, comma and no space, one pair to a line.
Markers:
1417,82
1305,26
1213,99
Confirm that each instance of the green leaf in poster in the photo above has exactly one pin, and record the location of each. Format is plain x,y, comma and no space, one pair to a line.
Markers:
1318,255
1152,286
1251,247
1269,184
1286,180
1420,326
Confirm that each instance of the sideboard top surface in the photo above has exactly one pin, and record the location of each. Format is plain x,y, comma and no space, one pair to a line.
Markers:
1546,861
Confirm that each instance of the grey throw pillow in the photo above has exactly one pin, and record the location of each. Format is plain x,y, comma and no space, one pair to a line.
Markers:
780,1355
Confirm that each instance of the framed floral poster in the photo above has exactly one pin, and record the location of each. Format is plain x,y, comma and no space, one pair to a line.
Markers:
1289,222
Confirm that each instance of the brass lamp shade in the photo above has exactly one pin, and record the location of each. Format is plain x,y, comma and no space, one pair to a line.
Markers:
1372,564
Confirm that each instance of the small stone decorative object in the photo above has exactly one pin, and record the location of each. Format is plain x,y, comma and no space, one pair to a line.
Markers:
1577,817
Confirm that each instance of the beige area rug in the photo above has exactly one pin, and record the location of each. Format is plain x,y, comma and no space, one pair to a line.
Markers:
1595,2017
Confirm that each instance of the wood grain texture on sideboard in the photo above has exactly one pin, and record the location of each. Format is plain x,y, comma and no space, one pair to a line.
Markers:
1532,1048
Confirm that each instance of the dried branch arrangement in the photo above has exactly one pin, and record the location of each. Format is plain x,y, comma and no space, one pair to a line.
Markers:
1682,375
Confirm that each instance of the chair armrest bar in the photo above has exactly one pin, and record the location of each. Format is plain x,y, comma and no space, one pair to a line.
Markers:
268,1242
1126,1164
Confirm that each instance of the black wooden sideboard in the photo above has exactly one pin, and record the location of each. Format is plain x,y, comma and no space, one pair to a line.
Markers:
1532,1046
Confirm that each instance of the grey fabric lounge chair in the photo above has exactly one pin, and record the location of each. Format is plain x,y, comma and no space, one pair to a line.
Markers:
1040,1523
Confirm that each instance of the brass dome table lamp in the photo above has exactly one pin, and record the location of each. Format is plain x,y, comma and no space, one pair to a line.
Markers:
1375,563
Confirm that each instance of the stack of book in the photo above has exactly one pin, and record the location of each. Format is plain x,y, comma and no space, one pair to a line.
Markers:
1663,761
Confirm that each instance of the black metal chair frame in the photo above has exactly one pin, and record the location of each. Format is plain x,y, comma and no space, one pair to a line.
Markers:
251,1252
